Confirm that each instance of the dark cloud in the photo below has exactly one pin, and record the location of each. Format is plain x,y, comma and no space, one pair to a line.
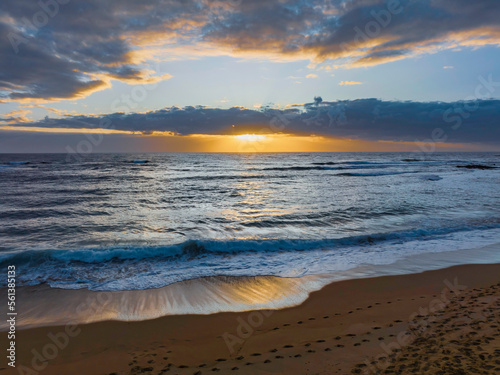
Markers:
365,31
367,119
51,50
67,49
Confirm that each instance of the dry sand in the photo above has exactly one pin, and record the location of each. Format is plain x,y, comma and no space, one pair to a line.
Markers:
436,322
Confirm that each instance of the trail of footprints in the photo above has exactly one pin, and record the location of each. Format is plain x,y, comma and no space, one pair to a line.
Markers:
409,354
273,354
463,339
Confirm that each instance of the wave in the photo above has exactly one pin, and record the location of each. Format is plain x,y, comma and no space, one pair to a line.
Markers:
298,168
197,248
372,174
14,164
330,167
213,294
136,268
478,166
349,162
431,177
343,165
139,161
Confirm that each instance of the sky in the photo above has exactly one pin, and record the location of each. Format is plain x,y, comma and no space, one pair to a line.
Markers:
81,76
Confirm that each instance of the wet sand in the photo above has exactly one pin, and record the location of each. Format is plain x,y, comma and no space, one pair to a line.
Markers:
435,322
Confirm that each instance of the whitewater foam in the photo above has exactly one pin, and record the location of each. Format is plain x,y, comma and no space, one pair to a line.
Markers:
154,267
210,295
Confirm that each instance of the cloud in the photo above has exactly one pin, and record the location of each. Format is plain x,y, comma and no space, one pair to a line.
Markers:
448,67
349,83
364,119
59,112
31,106
71,50
19,116
312,76
361,32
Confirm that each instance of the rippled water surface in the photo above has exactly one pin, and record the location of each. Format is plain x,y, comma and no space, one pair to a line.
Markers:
129,221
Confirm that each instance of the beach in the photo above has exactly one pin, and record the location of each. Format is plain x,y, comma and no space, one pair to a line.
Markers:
282,187
441,321
280,263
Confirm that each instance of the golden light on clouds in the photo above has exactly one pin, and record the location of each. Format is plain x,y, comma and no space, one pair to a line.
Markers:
64,130
349,83
166,141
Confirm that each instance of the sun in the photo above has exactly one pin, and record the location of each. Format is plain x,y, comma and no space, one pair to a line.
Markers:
250,137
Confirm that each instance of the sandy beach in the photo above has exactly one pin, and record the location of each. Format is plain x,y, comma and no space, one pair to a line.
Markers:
435,322
278,187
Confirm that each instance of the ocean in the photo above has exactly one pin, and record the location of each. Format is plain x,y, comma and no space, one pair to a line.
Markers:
116,222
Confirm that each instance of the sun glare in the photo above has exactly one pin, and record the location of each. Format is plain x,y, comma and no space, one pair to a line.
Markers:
250,137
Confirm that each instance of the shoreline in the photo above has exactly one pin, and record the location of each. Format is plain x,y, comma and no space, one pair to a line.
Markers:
344,324
212,294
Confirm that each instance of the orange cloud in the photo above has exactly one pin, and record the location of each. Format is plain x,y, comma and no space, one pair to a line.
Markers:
16,116
349,83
